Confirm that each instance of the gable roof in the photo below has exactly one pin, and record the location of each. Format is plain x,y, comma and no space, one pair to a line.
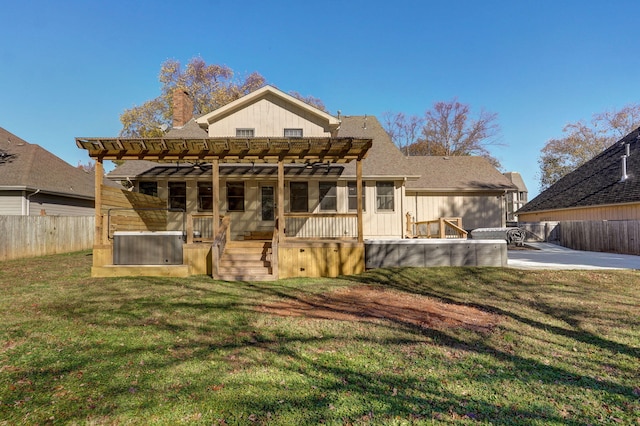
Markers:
207,119
28,166
597,182
517,180
456,173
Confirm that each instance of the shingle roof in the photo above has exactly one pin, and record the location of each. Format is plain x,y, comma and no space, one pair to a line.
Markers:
597,182
29,166
458,173
517,180
384,159
189,130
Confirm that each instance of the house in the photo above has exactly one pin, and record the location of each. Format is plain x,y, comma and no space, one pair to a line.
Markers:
271,175
35,182
607,187
517,199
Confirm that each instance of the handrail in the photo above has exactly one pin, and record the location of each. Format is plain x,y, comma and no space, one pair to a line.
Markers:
274,249
455,223
220,241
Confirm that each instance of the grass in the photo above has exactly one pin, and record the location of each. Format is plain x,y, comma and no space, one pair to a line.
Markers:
82,350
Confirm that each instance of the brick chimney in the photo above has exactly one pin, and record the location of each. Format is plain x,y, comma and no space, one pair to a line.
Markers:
182,107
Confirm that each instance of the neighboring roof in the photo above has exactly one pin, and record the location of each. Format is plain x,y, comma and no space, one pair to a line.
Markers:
28,166
190,130
517,180
597,182
456,173
255,96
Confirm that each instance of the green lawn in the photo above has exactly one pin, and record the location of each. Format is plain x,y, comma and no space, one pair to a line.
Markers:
564,348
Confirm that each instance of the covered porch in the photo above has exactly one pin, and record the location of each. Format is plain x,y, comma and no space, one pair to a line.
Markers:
299,243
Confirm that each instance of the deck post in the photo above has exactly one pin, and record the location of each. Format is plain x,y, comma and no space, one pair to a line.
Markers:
99,171
359,199
215,180
281,219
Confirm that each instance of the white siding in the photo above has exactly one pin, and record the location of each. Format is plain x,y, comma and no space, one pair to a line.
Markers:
477,211
269,117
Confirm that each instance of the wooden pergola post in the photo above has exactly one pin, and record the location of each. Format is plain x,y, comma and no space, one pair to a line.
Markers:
359,199
99,171
281,220
215,189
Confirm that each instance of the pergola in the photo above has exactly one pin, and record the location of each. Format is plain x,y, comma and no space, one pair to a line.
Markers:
229,150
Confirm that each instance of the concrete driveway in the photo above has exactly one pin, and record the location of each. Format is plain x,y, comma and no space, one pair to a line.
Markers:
551,256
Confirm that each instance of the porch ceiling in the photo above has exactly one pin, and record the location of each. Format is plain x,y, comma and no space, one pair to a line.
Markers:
229,150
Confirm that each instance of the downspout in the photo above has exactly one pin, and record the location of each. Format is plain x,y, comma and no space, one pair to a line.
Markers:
29,201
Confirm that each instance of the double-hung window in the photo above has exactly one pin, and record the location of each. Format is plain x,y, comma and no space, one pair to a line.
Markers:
299,197
178,196
328,197
385,196
235,196
352,194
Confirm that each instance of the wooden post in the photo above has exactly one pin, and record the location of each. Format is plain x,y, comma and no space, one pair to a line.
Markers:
359,200
409,226
215,181
99,172
280,218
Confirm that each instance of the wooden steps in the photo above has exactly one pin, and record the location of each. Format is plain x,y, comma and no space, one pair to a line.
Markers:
248,260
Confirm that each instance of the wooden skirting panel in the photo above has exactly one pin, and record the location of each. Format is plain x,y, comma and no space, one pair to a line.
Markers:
198,258
174,271
319,259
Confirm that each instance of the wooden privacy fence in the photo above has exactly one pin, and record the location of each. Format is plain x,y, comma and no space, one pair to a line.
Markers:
30,236
612,236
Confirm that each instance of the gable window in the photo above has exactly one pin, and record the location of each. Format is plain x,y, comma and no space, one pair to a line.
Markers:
292,133
299,196
235,196
328,196
148,188
385,196
178,196
205,196
352,195
245,133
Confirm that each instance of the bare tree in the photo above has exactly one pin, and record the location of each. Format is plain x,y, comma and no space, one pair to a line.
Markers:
403,130
450,130
583,141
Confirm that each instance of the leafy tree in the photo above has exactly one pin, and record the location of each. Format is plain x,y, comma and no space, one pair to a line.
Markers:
311,100
448,129
210,87
583,141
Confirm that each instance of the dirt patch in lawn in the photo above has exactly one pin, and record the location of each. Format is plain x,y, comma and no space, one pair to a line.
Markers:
362,303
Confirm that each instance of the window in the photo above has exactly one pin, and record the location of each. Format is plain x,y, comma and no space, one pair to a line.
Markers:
352,195
178,196
328,196
245,133
292,133
148,188
384,196
235,196
205,196
299,196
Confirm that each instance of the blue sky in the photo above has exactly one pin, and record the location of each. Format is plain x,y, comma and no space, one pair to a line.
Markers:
69,68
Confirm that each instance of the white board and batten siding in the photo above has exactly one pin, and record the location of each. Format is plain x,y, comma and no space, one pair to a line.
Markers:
476,211
269,117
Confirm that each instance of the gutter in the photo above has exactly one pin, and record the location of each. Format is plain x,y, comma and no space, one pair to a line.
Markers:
29,201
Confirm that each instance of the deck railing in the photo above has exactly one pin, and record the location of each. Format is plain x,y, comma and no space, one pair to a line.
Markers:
444,227
219,243
321,225
200,228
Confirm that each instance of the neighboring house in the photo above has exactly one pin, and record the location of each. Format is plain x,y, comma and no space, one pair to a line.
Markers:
35,182
517,199
278,169
607,187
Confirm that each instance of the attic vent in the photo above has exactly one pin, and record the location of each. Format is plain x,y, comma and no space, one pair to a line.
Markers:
624,169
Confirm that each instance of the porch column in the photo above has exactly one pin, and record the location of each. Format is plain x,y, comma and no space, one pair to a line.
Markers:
99,172
281,220
359,199
215,189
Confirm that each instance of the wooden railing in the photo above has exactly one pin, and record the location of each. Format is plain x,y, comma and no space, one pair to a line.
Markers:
321,225
219,243
444,227
199,228
274,250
